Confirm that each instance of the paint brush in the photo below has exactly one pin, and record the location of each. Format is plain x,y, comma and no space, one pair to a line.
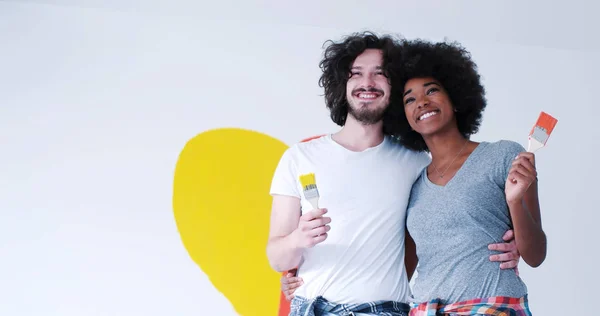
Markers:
539,134
309,187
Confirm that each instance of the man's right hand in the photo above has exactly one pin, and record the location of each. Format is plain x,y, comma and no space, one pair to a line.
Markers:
289,283
312,228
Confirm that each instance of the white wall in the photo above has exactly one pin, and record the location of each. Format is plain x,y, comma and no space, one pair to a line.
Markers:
98,98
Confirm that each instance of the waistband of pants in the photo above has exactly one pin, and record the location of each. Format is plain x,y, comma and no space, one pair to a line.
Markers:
320,306
497,305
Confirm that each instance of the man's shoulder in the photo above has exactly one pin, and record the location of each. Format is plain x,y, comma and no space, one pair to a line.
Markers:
306,148
419,157
316,142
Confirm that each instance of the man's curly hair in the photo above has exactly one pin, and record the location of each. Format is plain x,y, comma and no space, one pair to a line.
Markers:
451,65
337,61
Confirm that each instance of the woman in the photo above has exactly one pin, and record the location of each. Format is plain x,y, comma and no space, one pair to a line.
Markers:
469,195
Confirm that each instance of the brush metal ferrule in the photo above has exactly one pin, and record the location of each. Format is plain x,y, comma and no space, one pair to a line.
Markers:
311,192
540,134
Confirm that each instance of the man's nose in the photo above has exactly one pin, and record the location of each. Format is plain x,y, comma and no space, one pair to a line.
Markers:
368,81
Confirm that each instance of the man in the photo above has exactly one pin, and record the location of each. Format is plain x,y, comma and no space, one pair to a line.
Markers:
352,249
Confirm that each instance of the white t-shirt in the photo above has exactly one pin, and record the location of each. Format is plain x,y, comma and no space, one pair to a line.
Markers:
366,194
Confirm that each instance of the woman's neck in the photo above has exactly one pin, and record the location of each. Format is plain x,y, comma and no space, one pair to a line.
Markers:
446,147
448,153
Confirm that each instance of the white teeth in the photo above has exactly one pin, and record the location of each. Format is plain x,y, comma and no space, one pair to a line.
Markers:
426,115
367,96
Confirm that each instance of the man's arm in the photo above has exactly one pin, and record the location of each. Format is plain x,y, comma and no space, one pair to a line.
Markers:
410,255
509,256
291,233
282,252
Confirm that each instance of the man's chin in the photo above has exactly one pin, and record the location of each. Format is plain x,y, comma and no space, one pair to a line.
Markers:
368,118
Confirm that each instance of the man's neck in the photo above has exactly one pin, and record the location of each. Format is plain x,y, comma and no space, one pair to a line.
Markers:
356,136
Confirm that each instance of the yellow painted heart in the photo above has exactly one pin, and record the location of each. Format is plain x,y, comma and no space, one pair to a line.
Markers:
222,208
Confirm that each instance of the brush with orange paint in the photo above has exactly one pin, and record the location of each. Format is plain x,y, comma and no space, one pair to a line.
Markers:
539,134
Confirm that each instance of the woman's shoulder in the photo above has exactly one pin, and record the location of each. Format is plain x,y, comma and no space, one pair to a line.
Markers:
504,147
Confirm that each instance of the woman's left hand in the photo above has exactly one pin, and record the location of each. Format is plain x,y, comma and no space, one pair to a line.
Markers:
520,177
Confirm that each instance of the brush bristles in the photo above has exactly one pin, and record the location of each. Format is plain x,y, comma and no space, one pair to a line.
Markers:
309,186
308,179
546,122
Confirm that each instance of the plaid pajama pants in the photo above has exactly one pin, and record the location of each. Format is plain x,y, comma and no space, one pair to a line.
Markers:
498,306
321,307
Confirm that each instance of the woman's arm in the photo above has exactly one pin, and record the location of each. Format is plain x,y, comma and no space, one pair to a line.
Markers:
522,199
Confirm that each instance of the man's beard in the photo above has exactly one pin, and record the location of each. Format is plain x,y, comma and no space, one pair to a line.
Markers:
361,111
365,115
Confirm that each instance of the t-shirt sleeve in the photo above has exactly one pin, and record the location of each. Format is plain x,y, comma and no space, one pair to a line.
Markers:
423,160
284,180
507,152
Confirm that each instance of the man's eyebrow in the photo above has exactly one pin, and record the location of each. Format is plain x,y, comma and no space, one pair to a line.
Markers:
361,67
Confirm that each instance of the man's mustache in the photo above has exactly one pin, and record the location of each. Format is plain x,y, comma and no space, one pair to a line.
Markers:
355,91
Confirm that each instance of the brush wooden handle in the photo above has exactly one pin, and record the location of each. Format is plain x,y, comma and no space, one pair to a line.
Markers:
314,202
534,145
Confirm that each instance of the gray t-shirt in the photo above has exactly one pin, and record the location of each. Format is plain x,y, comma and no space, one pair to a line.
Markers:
453,225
